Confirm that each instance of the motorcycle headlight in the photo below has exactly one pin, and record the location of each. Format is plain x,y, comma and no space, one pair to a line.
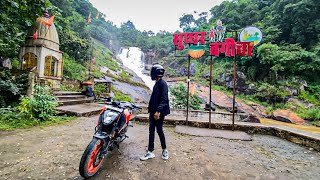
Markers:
109,116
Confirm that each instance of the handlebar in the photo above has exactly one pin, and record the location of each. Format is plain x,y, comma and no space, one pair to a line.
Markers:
120,104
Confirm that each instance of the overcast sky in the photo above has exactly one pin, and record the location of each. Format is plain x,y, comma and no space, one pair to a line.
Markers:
152,15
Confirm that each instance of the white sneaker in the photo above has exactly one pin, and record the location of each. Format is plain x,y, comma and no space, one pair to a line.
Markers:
165,154
147,155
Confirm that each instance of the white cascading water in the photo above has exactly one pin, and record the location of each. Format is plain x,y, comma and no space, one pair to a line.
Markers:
132,59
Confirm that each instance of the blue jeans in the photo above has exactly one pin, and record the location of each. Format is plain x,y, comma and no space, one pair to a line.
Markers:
153,124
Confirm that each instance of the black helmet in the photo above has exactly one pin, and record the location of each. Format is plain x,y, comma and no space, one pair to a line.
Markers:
156,71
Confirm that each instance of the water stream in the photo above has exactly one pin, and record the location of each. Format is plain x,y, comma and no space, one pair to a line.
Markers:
132,59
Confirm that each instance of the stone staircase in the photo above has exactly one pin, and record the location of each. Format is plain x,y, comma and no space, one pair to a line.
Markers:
76,104
71,98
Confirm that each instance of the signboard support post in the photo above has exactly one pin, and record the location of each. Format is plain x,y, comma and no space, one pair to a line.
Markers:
210,90
234,84
188,89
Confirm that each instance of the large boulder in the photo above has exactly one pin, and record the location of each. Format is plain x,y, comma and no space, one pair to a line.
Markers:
192,69
287,116
173,65
183,71
251,118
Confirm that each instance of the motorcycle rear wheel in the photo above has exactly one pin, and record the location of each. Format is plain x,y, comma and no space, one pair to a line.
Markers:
91,159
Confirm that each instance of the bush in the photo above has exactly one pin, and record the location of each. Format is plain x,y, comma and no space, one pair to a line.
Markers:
99,89
308,97
11,118
271,93
312,114
12,86
41,106
179,100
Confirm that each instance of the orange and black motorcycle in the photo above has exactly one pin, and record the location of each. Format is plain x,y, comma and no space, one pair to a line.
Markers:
110,131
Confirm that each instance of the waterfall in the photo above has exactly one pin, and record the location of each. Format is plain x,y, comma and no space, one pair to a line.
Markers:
132,58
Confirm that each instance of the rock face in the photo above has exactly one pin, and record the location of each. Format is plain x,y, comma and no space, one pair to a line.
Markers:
287,116
183,70
227,80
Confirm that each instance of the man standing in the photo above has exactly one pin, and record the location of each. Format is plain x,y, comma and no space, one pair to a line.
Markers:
158,109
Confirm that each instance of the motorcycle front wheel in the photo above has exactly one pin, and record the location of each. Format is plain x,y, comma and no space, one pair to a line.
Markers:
91,159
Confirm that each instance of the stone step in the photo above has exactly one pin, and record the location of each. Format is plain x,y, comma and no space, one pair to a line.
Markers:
70,97
65,93
79,110
77,101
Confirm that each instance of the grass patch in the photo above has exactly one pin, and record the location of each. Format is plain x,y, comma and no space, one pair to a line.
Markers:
312,114
308,97
119,96
104,56
11,120
126,80
73,69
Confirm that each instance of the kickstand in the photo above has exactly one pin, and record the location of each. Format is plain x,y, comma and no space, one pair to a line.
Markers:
118,148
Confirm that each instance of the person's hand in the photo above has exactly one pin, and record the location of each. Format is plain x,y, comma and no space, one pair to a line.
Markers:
157,115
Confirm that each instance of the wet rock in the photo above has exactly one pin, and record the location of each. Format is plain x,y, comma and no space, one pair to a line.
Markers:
192,69
303,85
182,71
298,102
206,76
173,65
226,79
251,118
210,105
292,91
287,116
241,81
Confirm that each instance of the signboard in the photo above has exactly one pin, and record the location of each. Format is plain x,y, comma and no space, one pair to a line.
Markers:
251,34
231,48
249,37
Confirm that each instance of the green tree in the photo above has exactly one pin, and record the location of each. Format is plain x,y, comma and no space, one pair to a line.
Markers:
15,19
179,101
186,22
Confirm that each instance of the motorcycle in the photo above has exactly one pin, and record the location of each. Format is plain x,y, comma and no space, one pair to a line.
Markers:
110,131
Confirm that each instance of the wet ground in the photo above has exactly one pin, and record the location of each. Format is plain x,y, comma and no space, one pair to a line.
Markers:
54,153
307,128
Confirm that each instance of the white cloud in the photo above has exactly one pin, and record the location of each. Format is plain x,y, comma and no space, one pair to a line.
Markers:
152,15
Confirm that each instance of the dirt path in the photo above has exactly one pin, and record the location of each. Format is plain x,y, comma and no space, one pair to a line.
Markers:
54,153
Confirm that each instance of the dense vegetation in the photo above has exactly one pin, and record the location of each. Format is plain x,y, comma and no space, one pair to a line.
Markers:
289,54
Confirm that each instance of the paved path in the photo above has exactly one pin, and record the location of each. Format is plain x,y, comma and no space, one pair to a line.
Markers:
54,152
225,134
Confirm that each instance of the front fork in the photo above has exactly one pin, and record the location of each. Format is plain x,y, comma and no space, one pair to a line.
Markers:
111,140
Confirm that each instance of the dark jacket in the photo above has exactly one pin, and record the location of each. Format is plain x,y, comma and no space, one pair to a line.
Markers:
159,101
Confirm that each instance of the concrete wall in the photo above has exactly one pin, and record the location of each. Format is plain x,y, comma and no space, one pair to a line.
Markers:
196,114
